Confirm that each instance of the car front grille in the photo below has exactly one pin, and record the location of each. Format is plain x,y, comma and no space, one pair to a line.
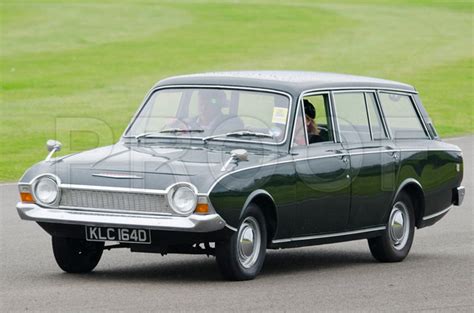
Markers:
99,200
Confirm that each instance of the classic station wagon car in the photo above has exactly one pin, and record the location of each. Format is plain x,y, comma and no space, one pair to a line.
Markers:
233,163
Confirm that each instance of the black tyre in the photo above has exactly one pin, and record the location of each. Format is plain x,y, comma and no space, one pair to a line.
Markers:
241,256
395,243
76,255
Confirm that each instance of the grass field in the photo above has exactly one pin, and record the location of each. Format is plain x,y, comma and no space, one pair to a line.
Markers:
86,65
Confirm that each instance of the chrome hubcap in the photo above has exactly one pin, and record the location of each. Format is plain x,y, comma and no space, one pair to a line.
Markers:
248,241
399,225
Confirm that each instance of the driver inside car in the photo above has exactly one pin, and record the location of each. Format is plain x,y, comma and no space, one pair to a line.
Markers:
210,117
210,103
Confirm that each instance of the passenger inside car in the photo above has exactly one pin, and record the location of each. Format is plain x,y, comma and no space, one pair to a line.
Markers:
315,133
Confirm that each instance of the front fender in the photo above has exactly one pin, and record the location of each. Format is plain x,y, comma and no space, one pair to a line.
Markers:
232,206
252,196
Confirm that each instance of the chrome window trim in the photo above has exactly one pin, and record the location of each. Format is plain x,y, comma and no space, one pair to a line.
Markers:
389,131
337,129
332,117
294,126
185,86
305,129
377,112
368,116
361,91
364,88
378,104
420,117
335,118
300,104
372,89
332,235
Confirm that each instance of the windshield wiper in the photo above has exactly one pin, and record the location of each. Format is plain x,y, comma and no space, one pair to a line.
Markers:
242,133
181,130
168,131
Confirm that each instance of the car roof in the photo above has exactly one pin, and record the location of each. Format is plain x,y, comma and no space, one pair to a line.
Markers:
290,81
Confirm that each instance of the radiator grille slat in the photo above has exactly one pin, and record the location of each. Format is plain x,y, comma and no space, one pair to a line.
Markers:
114,201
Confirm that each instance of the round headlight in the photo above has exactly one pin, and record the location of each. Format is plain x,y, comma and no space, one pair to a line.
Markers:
46,190
182,199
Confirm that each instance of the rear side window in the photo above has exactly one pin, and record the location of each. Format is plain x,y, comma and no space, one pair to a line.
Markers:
401,116
352,117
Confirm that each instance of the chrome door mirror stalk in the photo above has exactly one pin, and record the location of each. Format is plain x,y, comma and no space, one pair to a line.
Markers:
52,146
236,155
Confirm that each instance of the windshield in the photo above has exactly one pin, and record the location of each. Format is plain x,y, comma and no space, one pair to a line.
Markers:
216,114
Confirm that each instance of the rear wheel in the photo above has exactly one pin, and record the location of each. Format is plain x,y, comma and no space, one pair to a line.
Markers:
76,255
241,256
395,243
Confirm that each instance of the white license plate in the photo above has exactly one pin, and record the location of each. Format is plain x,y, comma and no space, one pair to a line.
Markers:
130,235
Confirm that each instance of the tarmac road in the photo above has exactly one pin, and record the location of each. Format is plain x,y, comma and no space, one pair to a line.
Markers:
436,276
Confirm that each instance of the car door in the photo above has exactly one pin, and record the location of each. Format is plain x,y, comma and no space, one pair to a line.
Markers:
322,187
373,156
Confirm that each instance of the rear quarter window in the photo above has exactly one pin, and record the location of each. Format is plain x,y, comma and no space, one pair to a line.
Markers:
401,116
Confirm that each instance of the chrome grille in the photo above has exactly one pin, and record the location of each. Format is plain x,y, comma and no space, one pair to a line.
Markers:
114,201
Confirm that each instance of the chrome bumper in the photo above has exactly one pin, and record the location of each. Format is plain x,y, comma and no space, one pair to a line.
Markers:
458,195
192,223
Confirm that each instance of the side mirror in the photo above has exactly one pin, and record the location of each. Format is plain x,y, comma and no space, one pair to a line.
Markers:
236,155
52,146
239,154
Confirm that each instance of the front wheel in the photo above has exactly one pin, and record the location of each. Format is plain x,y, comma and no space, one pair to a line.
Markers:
76,255
395,243
241,256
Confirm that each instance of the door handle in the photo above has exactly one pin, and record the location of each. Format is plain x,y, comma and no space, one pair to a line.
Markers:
341,155
336,151
392,152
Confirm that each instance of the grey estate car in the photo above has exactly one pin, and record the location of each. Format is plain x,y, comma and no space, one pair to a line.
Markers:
231,164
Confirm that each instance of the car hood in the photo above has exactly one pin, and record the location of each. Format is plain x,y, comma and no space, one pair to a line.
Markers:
147,166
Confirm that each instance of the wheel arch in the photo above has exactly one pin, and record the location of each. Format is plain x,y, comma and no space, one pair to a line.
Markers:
266,203
414,189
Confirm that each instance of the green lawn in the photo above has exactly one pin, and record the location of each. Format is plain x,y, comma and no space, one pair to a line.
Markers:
84,66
